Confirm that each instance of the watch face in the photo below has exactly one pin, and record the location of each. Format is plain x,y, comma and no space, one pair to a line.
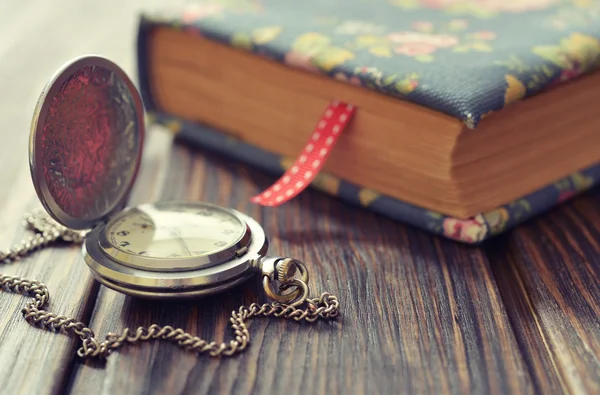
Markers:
144,262
175,231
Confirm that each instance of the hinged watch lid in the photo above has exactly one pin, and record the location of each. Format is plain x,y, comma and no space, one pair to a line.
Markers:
86,142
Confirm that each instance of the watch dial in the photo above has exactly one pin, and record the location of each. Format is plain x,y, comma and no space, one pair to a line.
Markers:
175,230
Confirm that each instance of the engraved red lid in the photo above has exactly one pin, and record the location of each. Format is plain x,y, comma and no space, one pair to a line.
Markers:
86,142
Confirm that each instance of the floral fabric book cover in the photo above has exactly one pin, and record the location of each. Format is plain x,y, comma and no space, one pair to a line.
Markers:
464,58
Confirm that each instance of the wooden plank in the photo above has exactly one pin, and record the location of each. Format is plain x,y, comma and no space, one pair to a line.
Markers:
548,272
34,360
44,359
419,314
36,39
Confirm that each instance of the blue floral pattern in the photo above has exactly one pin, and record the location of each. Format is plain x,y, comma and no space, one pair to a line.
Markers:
465,58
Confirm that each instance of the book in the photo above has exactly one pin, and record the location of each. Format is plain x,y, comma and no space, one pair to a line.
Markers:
471,116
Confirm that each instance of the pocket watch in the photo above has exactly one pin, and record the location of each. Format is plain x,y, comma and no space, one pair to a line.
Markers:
85,150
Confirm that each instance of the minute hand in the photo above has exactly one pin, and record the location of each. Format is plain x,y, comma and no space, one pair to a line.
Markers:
177,234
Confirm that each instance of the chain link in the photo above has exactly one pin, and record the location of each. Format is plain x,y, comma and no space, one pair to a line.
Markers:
47,231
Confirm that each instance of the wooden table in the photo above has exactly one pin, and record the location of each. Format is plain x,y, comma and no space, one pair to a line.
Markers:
420,314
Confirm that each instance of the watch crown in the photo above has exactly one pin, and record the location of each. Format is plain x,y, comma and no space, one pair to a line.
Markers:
285,269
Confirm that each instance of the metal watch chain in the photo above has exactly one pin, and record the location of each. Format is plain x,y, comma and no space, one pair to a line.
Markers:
48,231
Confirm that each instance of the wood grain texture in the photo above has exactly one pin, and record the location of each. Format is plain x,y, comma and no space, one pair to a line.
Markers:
34,360
36,39
549,273
419,315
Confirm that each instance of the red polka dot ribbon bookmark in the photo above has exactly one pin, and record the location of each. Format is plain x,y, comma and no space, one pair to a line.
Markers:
333,122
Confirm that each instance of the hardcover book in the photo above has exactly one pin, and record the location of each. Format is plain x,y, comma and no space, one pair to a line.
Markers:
471,116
